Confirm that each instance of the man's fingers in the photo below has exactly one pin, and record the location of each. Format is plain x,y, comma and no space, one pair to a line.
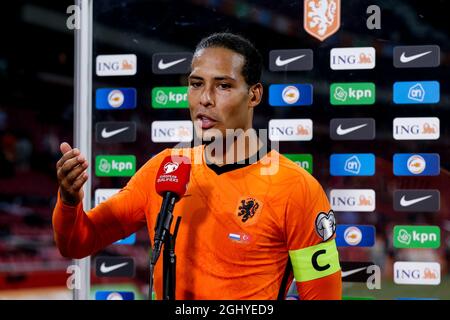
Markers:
79,182
75,172
65,147
68,155
73,186
70,170
70,165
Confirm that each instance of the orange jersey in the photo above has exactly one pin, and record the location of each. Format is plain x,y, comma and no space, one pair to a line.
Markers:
238,229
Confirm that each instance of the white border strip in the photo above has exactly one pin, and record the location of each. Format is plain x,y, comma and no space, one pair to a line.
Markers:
83,119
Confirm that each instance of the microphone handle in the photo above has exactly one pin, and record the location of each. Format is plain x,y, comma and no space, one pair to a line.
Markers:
163,223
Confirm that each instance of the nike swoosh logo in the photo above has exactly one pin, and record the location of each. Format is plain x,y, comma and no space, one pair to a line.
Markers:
106,134
106,269
163,66
350,272
281,63
342,132
407,203
405,59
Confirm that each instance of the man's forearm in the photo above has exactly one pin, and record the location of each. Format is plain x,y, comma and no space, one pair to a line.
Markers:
72,230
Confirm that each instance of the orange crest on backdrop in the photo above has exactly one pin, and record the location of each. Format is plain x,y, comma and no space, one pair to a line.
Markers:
322,18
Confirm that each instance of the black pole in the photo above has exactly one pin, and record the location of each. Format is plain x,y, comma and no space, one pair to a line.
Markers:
170,264
168,292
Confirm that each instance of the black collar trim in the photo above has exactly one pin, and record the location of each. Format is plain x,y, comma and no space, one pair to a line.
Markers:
234,166
227,167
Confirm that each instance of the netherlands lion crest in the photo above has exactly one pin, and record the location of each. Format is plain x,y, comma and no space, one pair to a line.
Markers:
248,208
322,18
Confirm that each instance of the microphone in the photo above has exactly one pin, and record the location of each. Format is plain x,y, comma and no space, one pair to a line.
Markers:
171,183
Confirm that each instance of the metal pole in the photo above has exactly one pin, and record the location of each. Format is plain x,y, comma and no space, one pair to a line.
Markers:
82,120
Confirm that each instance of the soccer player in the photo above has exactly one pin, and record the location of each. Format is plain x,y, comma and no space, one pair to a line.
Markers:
245,232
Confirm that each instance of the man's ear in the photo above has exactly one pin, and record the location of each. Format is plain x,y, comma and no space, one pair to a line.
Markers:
256,92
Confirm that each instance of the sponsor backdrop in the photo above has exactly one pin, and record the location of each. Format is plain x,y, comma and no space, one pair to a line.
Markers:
364,109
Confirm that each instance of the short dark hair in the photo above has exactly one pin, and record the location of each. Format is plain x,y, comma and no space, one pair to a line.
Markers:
252,68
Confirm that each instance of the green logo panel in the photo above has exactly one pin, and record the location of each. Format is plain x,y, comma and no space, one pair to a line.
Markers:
169,97
303,160
417,237
115,166
352,93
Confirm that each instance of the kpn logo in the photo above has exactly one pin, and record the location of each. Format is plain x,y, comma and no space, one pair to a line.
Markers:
352,93
169,97
115,165
417,237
